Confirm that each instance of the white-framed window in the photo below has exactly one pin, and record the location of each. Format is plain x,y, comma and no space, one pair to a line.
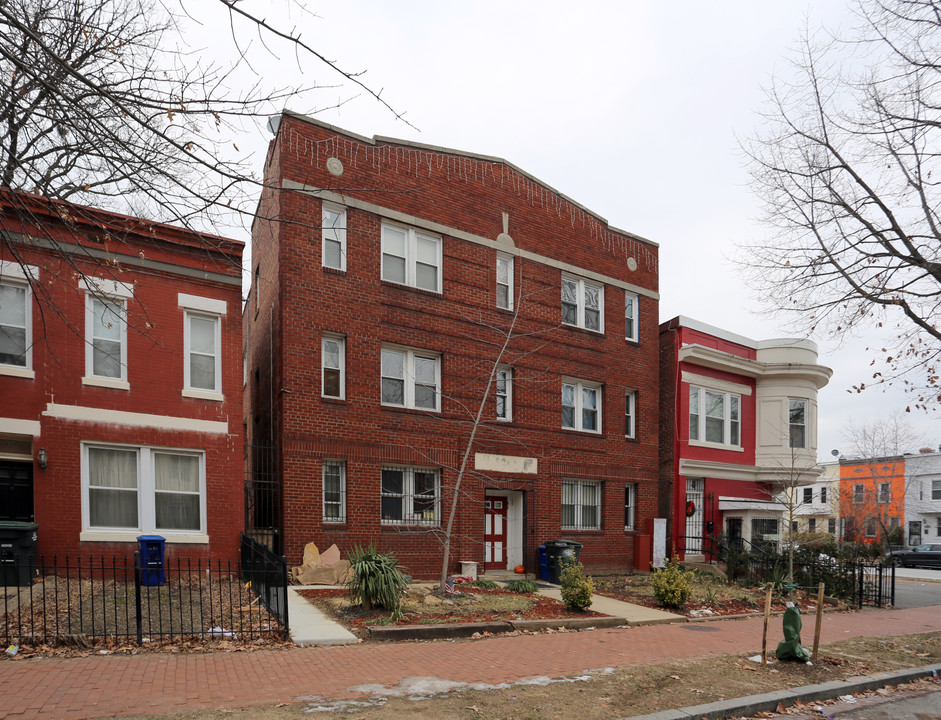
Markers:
411,378
859,494
630,413
334,491
504,281
715,417
808,495
202,345
333,233
936,493
582,304
870,527
885,493
631,317
581,505
143,490
797,422
16,315
630,505
411,257
581,405
410,496
106,337
333,362
823,496
504,393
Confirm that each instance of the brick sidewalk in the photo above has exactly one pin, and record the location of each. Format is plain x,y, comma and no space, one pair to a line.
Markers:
71,688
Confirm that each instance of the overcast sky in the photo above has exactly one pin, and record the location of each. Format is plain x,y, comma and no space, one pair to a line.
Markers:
630,108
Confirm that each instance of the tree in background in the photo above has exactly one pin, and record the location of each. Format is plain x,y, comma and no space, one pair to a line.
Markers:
843,165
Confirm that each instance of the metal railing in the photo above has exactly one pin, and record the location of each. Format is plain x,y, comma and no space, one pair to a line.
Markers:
86,600
267,573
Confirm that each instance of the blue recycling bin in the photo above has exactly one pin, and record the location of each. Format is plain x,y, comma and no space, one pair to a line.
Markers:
151,549
543,563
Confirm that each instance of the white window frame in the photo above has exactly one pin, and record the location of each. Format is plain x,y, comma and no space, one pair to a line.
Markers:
630,413
579,387
808,496
408,378
338,466
333,231
885,493
581,288
631,308
505,263
14,275
412,237
793,404
936,495
579,503
859,494
730,427
872,524
504,377
341,368
428,517
630,506
202,308
146,497
115,293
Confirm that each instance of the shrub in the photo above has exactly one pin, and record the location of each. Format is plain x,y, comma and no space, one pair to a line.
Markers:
673,585
576,588
376,580
525,587
484,584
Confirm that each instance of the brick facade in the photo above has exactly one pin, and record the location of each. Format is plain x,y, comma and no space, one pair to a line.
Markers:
460,199
56,403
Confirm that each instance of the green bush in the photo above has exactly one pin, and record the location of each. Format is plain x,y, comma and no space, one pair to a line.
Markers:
576,588
484,584
525,587
673,585
376,580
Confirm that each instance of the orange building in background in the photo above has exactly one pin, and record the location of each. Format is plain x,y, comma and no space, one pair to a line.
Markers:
872,499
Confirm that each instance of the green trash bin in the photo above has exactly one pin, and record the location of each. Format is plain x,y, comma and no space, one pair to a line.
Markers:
560,553
17,552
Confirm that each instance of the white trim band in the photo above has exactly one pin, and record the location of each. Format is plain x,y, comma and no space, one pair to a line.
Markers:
120,417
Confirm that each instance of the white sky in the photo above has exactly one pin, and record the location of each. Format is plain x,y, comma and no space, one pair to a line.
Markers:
630,108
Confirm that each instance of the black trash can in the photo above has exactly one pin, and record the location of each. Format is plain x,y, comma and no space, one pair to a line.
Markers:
17,552
151,549
559,554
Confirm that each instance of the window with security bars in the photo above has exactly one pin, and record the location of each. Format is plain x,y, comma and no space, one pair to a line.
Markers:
581,505
410,496
334,491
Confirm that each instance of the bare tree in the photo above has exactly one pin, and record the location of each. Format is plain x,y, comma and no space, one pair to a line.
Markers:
843,165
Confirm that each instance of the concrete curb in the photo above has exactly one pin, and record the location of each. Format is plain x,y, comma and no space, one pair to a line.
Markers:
431,631
768,702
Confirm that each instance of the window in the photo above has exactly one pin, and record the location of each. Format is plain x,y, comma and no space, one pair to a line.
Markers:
410,496
202,345
631,329
582,304
823,496
333,361
794,526
936,490
504,390
859,494
797,422
885,493
630,503
334,491
812,525
504,281
333,229
808,495
871,526
412,258
410,378
141,489
581,406
15,316
714,417
581,505
831,526
106,340
630,409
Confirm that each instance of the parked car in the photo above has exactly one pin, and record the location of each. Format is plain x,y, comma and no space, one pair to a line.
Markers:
926,555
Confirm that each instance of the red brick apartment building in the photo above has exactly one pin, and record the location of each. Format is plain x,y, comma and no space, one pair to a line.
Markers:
120,381
387,276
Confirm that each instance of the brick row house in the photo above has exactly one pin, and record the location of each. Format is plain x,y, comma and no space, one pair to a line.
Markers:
120,381
398,290
738,433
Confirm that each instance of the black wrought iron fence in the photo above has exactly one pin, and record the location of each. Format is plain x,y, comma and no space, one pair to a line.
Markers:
84,600
267,573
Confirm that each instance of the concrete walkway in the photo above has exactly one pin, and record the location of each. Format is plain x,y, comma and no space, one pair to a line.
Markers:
632,615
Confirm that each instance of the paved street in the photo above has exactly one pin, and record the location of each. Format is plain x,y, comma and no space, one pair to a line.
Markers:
915,593
74,688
